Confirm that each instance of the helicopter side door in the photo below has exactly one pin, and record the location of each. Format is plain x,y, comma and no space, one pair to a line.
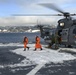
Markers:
72,35
64,36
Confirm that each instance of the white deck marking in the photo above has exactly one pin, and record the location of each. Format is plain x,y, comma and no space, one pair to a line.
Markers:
36,69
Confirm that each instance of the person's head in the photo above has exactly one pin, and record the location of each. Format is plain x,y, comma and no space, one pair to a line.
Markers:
36,36
25,37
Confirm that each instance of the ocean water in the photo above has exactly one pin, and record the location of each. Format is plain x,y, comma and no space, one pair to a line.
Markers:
17,37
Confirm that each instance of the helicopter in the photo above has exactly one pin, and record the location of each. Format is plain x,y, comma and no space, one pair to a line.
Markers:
64,33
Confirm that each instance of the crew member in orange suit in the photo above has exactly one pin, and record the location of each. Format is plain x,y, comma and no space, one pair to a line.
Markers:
25,43
37,44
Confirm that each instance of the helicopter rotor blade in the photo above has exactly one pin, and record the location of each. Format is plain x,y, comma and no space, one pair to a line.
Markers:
51,6
37,15
72,14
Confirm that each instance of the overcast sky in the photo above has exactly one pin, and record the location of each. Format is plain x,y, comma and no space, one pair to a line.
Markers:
10,7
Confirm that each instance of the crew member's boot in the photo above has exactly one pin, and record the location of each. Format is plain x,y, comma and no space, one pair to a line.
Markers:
28,48
35,49
41,48
24,49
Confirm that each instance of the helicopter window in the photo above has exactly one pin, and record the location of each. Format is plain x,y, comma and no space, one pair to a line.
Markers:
62,24
74,31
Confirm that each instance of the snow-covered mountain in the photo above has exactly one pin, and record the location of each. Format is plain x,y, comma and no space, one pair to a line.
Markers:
33,30
19,29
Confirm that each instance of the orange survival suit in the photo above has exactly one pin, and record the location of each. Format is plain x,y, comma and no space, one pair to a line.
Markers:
25,43
37,44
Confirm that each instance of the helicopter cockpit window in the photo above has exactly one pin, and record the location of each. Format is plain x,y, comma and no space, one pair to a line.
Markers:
61,24
74,31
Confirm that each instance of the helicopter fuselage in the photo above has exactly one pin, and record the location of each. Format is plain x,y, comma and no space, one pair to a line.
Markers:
65,31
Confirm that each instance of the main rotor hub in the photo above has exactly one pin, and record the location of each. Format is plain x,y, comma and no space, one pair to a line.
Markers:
66,14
